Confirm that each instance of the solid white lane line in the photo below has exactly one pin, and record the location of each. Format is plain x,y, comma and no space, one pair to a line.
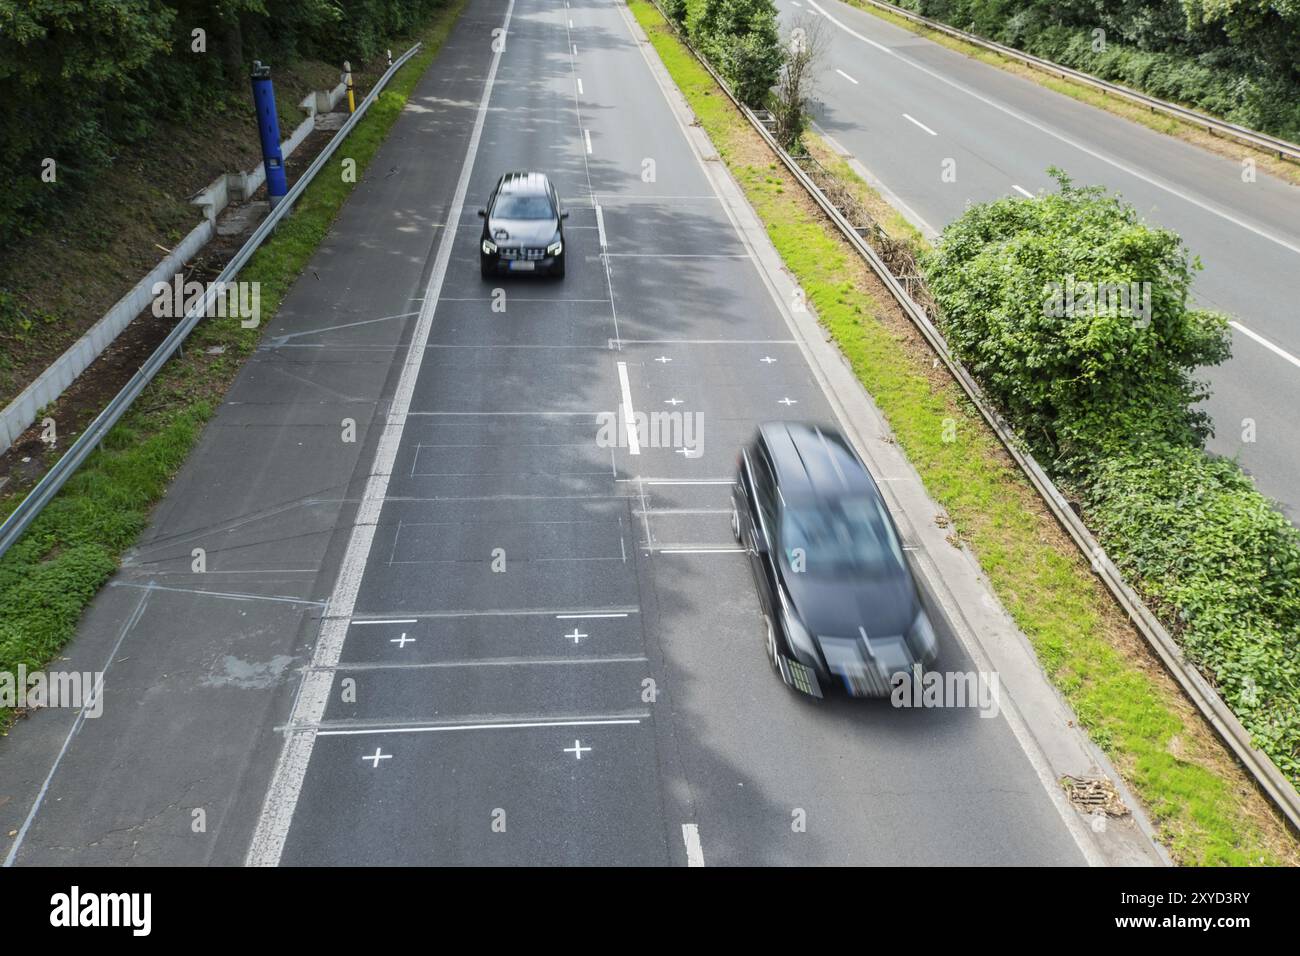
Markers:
1022,190
629,417
698,550
404,620
691,835
583,617
679,481
438,728
313,692
849,31
1276,349
1086,150
913,119
846,76
491,662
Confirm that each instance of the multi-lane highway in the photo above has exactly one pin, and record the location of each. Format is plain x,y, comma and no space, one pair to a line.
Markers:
480,633
910,110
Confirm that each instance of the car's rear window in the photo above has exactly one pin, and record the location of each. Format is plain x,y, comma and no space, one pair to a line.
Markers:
519,206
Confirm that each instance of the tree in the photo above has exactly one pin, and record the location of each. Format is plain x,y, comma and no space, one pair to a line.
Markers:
739,37
804,46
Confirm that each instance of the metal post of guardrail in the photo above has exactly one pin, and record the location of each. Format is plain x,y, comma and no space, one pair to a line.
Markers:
1270,780
20,518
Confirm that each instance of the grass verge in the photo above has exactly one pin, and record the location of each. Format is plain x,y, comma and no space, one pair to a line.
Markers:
1204,807
1172,126
51,574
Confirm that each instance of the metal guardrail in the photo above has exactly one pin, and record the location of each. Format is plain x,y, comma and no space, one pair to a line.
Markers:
1272,144
1207,701
54,479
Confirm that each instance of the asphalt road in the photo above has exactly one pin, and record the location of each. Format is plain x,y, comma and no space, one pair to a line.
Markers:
525,647
903,105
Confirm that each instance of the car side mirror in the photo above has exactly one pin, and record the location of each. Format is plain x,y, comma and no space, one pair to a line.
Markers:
564,215
482,213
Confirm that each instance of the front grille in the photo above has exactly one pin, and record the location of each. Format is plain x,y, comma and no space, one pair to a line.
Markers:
861,674
530,253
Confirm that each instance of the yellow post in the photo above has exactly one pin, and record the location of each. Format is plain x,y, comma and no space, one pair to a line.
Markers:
347,77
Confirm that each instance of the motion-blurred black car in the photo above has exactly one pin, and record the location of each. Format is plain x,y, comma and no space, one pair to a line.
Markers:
838,597
523,227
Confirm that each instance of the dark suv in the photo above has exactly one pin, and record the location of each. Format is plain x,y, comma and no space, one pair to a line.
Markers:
523,227
837,594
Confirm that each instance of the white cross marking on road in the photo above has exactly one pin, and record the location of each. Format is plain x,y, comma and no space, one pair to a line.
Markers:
768,359
377,756
577,750
663,360
576,636
788,402
401,641
672,401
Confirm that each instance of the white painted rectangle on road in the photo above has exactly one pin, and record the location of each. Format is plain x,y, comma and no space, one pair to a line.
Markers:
629,417
694,852
846,76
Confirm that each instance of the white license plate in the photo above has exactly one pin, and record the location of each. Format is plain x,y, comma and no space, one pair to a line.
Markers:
518,266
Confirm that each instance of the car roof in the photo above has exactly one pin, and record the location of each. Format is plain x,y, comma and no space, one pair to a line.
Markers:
814,462
528,184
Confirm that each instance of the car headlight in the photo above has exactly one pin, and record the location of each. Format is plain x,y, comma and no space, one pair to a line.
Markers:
801,641
489,246
555,248
921,639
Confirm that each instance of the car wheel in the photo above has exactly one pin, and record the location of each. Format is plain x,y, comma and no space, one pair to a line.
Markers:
558,271
485,268
735,522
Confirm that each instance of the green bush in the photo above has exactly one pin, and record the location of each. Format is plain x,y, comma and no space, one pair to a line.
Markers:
1106,400
676,11
739,37
1223,567
1082,379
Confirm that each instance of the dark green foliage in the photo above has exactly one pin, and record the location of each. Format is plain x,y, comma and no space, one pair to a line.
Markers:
83,78
1081,380
1192,534
1107,404
1237,59
676,11
739,37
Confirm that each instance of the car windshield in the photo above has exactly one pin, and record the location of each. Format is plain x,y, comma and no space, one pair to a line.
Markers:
520,206
838,536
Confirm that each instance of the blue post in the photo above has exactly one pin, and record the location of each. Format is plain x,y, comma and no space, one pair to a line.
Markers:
268,128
